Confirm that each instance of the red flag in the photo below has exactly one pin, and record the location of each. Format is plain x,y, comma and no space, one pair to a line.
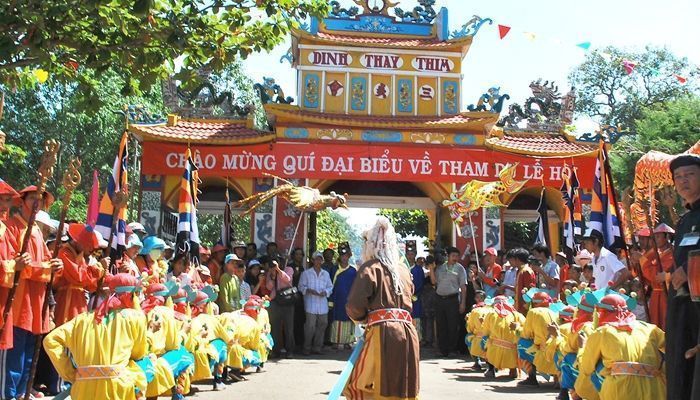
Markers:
680,78
93,201
628,66
503,30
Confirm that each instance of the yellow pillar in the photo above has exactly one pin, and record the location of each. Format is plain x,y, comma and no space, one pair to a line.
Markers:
554,236
432,224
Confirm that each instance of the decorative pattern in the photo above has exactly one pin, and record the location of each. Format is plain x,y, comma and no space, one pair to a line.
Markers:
137,114
311,94
423,15
428,137
291,211
270,92
201,102
464,139
405,102
382,136
471,28
381,90
378,24
150,211
549,114
491,101
335,88
358,99
334,134
610,134
288,56
426,92
296,133
450,94
339,12
492,228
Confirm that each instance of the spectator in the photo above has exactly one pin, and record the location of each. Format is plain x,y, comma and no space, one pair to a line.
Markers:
526,278
272,251
243,286
494,272
229,285
587,275
428,298
548,272
342,327
560,259
254,276
418,278
607,268
509,279
281,315
240,249
218,252
265,266
450,279
316,286
575,273
297,264
251,251
328,264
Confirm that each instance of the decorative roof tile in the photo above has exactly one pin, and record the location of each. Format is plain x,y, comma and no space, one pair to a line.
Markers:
542,144
467,120
209,131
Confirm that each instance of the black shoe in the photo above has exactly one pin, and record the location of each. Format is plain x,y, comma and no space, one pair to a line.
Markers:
529,382
490,374
477,367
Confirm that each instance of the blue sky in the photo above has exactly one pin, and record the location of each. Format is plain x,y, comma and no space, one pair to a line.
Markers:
559,25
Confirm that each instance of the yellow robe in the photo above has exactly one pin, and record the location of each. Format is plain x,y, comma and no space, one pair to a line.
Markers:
535,328
246,334
115,343
584,386
264,323
497,328
642,345
165,339
206,328
474,330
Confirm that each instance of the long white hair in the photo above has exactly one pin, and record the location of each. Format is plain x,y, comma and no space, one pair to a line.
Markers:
382,244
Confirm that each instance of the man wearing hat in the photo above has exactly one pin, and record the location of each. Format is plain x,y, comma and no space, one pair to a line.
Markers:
216,261
316,286
654,275
229,285
28,302
342,327
77,276
150,258
239,249
607,268
137,229
493,274
682,319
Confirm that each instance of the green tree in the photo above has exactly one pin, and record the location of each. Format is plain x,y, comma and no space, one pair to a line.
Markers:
407,222
607,93
140,40
332,228
210,228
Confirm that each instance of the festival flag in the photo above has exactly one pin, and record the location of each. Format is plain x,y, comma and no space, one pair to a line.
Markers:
628,66
187,240
503,30
226,226
542,220
93,201
116,230
572,209
604,216
680,79
584,45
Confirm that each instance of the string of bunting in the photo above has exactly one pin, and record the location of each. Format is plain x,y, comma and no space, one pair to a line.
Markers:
628,65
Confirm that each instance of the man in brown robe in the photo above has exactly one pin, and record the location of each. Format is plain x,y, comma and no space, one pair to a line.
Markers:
381,298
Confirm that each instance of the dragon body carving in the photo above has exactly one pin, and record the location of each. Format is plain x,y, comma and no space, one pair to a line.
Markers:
545,110
270,92
491,101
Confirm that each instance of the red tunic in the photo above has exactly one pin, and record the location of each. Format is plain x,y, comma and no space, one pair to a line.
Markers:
526,280
31,291
214,270
71,283
8,246
657,300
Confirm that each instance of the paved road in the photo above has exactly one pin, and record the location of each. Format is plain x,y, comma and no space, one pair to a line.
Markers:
306,378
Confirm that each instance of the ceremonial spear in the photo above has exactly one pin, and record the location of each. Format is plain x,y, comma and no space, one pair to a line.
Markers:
71,179
48,161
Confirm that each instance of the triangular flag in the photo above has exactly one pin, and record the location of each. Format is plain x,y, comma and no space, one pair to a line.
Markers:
584,45
531,36
503,30
655,71
680,78
628,66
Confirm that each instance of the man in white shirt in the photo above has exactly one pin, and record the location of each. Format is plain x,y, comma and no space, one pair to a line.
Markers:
316,286
607,268
509,279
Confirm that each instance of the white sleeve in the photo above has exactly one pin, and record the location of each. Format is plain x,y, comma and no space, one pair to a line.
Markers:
614,264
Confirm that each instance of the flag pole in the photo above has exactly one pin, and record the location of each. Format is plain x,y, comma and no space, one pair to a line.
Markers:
611,186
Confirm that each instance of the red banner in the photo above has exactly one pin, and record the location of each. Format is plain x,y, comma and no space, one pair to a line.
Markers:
354,161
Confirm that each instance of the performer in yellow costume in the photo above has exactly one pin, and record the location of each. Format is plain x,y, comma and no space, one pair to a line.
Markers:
630,352
475,335
556,341
501,346
103,346
533,335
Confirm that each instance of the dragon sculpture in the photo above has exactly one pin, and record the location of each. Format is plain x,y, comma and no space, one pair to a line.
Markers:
491,101
651,174
304,198
476,194
546,109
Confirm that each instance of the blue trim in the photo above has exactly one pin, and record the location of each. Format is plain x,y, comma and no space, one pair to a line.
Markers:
382,136
314,26
124,289
360,105
464,139
296,133
407,83
376,24
443,24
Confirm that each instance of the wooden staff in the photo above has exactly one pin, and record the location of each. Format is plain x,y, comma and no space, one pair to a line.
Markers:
118,202
48,161
71,179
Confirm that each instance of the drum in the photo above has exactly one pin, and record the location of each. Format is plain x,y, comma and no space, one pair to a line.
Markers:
694,274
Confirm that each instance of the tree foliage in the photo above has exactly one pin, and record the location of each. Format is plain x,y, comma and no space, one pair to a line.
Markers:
607,93
332,228
140,40
407,222
210,228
